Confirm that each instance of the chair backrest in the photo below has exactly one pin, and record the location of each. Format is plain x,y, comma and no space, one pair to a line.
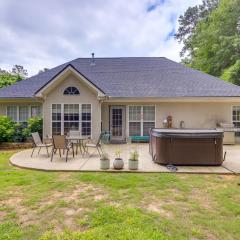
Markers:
59,141
36,138
74,133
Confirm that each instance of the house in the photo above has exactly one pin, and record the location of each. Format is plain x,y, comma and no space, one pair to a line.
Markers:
126,96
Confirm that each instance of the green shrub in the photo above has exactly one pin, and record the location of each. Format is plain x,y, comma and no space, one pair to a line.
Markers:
7,129
19,135
35,124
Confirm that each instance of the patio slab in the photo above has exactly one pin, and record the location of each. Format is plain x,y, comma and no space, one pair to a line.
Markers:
91,162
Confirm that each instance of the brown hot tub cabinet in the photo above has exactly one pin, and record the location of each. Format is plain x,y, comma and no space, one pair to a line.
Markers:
186,146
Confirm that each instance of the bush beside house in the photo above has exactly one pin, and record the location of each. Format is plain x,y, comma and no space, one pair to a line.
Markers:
16,135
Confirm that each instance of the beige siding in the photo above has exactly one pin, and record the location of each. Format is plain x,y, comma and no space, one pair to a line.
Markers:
195,115
87,95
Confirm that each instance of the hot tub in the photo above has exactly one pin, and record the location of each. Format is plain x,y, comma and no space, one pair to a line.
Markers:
186,146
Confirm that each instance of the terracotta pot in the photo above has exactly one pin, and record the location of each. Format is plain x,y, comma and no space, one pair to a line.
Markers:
118,163
132,164
104,164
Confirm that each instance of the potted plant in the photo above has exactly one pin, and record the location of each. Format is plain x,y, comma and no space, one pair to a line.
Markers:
104,161
133,160
118,161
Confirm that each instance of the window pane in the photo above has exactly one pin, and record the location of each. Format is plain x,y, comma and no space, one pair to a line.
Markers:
148,113
56,119
86,119
56,128
12,112
23,113
70,126
134,129
35,111
71,91
134,113
56,112
146,127
86,128
71,117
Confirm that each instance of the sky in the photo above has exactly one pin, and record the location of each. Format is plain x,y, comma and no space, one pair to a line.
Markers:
47,33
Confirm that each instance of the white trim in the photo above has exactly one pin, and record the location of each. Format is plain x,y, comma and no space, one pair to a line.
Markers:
71,69
146,100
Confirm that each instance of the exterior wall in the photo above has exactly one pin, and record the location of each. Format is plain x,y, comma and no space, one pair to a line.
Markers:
194,114
87,95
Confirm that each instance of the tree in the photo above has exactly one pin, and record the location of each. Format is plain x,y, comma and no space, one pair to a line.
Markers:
188,23
19,70
232,74
8,78
213,41
43,70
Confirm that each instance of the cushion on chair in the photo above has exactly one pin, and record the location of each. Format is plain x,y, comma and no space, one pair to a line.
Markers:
44,145
91,145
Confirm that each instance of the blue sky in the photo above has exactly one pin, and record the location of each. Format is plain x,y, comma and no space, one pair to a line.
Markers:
46,33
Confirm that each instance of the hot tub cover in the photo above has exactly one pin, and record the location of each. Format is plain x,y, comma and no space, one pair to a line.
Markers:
187,133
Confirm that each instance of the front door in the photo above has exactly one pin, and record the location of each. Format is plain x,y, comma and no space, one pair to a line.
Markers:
117,122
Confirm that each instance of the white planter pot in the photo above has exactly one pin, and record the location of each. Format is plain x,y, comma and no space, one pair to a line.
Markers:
132,164
104,164
118,163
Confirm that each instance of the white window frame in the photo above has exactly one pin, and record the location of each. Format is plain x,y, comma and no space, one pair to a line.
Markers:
141,120
234,121
29,111
80,117
61,107
80,125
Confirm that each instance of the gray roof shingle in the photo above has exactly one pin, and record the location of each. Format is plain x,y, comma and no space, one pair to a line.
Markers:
133,77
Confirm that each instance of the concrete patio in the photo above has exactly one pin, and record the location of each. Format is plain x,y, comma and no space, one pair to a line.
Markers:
91,162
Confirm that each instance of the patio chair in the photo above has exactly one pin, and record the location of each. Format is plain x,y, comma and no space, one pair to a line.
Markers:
37,143
60,143
96,145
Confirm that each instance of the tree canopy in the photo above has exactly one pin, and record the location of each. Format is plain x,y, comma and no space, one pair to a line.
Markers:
210,34
10,77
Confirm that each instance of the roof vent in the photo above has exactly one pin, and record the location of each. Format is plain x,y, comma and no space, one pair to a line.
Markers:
92,61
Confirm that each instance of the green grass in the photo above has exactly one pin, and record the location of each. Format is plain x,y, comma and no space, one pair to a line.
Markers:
97,206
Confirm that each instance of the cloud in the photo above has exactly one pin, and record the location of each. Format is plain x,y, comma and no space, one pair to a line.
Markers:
46,33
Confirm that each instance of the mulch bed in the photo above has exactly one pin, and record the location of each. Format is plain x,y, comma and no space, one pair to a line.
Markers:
15,145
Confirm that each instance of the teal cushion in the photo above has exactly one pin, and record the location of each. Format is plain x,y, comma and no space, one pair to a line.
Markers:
140,138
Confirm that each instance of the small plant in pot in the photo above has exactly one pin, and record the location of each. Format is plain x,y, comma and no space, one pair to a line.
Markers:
118,161
104,161
133,160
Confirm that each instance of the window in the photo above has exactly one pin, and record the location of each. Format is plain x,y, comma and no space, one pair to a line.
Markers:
12,112
23,114
66,117
148,119
56,119
86,119
35,111
71,117
135,120
141,119
71,91
236,116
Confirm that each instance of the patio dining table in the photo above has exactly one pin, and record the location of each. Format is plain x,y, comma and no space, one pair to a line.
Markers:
79,141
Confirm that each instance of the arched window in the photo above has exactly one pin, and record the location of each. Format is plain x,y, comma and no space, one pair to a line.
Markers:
71,91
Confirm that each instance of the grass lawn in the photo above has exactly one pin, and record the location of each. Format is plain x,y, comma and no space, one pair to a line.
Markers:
119,206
